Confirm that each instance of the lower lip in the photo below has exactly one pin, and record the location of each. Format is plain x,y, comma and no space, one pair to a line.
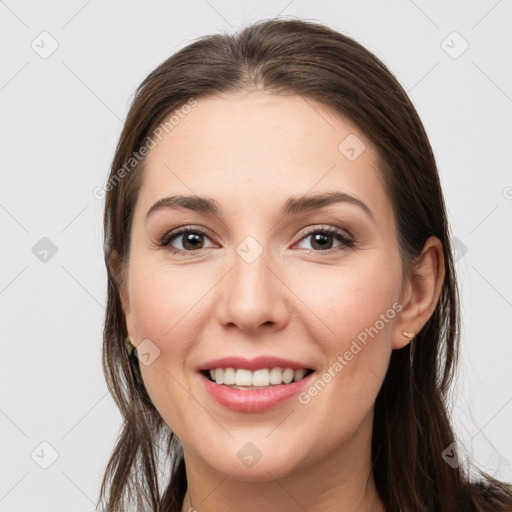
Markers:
253,400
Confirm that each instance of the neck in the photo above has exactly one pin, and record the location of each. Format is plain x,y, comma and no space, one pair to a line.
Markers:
342,481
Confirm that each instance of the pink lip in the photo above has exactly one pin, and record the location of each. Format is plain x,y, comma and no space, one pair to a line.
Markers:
253,400
253,364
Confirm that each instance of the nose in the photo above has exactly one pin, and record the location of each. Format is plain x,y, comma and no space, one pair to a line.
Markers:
253,294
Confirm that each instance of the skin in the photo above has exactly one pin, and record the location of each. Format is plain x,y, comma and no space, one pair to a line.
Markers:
251,152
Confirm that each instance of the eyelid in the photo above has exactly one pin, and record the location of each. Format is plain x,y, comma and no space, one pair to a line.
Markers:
344,237
342,234
166,238
314,228
305,231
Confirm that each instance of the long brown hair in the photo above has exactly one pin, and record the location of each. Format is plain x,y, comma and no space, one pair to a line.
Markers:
411,429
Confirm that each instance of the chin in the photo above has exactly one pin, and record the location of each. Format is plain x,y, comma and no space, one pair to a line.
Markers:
248,461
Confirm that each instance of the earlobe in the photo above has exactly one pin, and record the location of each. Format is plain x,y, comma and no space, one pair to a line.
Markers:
423,291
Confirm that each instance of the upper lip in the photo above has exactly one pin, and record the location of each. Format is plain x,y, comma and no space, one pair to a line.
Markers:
264,361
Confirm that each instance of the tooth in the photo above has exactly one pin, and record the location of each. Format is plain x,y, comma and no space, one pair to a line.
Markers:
299,374
276,376
288,375
243,377
219,376
229,376
261,377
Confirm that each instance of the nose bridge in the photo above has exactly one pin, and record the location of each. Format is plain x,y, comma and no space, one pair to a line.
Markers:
252,294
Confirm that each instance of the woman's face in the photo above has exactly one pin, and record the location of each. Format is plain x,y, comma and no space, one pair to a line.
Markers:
263,277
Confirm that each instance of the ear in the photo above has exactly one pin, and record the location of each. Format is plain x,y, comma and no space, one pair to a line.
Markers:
421,291
120,273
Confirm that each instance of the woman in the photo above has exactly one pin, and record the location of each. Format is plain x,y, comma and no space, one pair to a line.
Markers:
278,254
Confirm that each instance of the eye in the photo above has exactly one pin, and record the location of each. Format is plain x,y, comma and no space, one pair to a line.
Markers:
322,238
191,240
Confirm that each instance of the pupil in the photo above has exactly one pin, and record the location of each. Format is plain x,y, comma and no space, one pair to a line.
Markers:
190,239
319,237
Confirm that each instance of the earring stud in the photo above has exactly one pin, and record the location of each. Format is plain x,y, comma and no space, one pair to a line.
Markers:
129,343
408,334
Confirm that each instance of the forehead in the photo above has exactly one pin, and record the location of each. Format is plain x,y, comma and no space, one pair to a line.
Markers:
243,148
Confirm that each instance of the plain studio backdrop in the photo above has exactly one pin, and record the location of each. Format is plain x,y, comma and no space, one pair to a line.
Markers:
68,73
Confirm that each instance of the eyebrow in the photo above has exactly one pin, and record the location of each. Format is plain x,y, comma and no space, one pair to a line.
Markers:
293,205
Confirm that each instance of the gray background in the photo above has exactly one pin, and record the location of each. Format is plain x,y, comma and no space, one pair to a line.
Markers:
61,117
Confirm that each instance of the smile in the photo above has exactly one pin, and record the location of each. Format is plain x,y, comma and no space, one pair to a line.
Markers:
254,399
241,378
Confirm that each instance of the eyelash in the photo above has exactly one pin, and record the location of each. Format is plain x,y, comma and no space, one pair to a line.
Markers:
347,242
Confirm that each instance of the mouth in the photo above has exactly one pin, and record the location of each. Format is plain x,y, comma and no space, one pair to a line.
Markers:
254,391
263,378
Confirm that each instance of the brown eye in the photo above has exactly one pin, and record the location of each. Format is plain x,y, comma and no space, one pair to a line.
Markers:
190,240
322,239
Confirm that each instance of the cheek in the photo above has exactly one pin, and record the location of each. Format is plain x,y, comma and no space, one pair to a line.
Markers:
356,305
163,302
349,299
352,326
